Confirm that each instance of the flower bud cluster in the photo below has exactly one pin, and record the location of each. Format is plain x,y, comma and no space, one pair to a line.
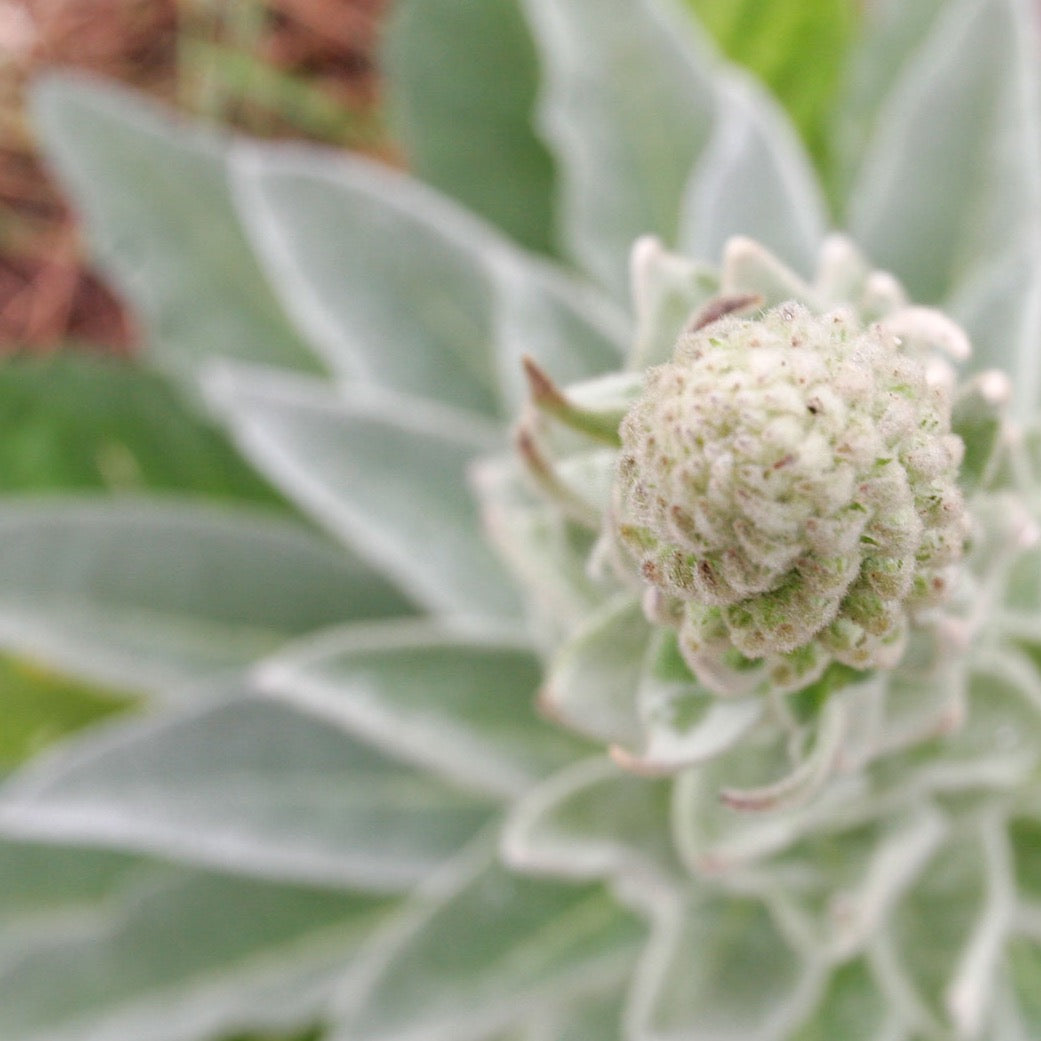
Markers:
788,485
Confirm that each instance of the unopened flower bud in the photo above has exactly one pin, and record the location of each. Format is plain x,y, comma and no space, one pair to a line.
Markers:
791,481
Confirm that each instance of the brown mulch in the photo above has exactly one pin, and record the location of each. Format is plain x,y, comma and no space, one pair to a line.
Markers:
172,49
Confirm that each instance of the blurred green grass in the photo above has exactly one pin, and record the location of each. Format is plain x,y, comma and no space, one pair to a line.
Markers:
81,422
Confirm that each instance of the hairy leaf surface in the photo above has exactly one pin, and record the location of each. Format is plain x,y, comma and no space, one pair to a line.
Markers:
246,785
147,594
161,222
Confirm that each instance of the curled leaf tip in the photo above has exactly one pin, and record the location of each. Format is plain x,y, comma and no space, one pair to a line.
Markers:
721,306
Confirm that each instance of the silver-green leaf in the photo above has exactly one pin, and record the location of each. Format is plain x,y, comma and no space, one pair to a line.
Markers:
755,179
591,680
852,1008
490,949
461,80
127,950
396,285
386,474
246,785
148,593
594,821
161,221
627,106
718,969
949,193
943,948
462,706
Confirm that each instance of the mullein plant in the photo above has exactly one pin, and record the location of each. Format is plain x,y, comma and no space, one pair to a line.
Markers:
663,661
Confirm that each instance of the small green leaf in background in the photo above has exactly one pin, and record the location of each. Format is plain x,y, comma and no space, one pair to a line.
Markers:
38,707
797,47
77,422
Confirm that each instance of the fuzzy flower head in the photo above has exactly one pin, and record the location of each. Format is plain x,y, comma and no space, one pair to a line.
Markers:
788,487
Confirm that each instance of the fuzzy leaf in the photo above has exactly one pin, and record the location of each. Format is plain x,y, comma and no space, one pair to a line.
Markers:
1023,598
1000,308
148,594
931,197
1025,837
440,305
593,821
978,418
748,268
858,874
753,179
718,969
103,948
923,699
713,838
461,80
1024,969
707,727
460,706
592,680
539,545
488,950
385,474
246,785
683,724
565,325
378,272
1002,746
890,34
956,215
852,1009
36,879
946,938
597,1018
161,222
627,106
594,1017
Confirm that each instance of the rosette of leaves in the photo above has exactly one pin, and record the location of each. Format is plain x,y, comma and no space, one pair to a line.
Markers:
342,809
